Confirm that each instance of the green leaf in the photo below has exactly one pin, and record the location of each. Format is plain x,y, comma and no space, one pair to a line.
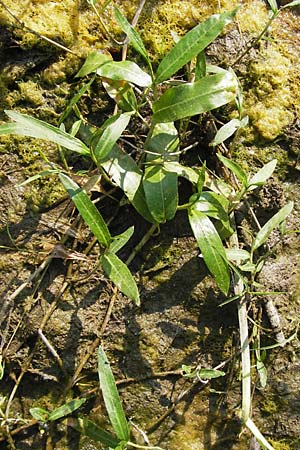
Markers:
87,209
262,175
111,397
182,171
90,429
120,240
160,185
235,168
122,93
39,414
161,192
125,173
209,374
237,255
120,275
125,70
226,131
110,132
74,100
291,4
29,126
192,44
163,142
211,248
213,205
200,69
190,99
93,61
134,37
266,230
66,409
273,5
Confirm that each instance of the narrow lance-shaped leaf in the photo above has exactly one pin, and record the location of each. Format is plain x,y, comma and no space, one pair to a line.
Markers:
226,131
87,209
66,409
262,175
134,37
74,100
192,44
266,230
235,168
125,70
190,99
211,248
120,240
120,275
109,136
31,127
111,397
90,429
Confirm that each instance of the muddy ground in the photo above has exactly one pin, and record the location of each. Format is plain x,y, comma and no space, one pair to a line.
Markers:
52,326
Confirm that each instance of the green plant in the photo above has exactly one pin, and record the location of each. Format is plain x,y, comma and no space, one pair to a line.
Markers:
151,184
121,438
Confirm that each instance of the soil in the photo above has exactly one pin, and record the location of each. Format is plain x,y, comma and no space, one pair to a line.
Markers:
52,326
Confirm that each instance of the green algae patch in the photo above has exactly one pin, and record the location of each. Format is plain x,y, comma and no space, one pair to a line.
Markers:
269,101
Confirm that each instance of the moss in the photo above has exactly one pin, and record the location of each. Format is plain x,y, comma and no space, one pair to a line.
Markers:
31,92
280,445
268,102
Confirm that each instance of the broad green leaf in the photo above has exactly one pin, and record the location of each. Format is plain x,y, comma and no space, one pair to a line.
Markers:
94,60
87,209
213,205
226,131
192,44
111,397
125,70
200,69
90,429
265,231
126,175
120,240
134,37
28,126
237,254
211,248
66,409
262,175
190,99
110,133
39,414
161,192
182,171
120,275
160,185
163,142
122,93
235,168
